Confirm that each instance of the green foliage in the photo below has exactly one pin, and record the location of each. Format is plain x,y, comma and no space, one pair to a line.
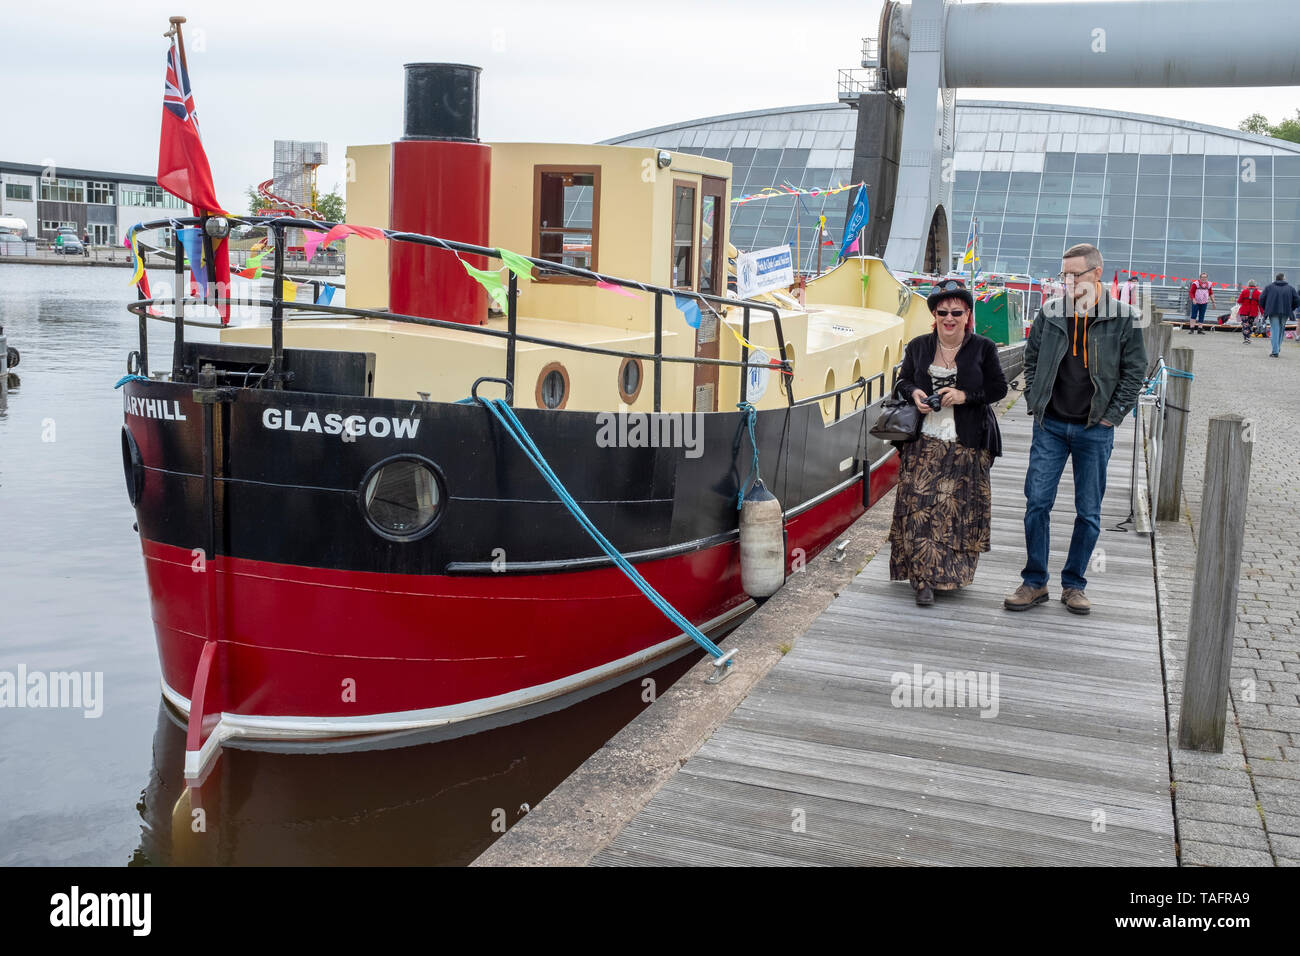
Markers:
1288,129
330,206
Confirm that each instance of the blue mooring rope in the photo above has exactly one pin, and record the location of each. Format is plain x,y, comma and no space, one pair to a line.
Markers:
130,378
752,415
506,416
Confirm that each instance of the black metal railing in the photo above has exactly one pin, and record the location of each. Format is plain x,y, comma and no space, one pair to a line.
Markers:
275,376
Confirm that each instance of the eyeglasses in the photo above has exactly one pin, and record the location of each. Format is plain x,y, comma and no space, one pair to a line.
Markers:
1073,275
944,313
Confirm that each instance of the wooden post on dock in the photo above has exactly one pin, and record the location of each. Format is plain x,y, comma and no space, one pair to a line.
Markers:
1214,590
1173,442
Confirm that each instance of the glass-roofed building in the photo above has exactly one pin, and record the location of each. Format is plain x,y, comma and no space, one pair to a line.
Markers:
1164,197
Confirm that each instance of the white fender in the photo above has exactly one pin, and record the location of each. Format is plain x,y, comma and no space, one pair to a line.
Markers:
762,543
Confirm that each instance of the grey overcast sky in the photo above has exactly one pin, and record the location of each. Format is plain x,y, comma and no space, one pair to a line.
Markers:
83,80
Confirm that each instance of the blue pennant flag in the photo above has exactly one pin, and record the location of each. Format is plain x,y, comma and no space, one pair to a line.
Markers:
192,240
690,308
326,295
857,219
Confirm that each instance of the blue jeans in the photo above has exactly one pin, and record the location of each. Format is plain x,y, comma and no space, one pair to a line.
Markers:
1089,449
1276,332
1198,314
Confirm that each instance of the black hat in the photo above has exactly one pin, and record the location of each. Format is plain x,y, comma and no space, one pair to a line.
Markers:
949,289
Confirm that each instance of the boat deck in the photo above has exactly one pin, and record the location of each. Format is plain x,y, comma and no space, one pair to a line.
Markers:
818,767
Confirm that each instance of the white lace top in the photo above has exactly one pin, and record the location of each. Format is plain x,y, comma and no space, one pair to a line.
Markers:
940,424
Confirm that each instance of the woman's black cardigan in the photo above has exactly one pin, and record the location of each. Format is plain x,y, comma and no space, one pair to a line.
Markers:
979,375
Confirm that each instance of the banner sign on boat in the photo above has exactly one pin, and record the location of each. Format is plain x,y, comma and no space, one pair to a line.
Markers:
759,372
764,271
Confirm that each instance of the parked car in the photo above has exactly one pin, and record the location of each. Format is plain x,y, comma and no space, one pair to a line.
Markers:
67,243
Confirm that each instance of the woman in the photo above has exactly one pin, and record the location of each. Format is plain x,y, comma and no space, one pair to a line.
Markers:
942,507
1249,308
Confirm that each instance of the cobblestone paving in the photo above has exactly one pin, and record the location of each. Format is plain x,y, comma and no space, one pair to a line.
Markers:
1242,807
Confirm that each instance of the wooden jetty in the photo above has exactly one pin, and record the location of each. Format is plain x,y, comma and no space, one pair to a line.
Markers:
819,767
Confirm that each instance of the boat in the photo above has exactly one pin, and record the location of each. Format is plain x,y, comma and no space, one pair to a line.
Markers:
347,524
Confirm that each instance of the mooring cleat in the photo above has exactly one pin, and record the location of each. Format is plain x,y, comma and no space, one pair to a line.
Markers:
721,667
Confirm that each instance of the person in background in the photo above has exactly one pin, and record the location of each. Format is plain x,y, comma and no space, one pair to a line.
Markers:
1276,305
943,505
1084,366
1202,295
1248,308
1128,292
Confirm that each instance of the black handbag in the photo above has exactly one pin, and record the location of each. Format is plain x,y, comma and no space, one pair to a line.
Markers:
899,421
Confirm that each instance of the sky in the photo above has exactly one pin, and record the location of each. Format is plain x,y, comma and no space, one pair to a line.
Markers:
84,86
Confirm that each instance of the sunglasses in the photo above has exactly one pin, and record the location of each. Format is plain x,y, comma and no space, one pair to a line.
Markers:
944,313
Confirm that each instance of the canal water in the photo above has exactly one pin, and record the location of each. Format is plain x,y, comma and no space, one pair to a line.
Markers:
107,790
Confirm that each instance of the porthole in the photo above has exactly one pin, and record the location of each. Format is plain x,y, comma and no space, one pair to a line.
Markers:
402,497
132,466
629,380
553,387
828,403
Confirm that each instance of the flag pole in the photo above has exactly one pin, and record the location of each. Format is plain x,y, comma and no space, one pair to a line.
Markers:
209,255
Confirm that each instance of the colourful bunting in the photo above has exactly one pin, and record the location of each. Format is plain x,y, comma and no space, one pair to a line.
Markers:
326,295
491,281
311,239
191,240
690,309
521,267
774,192
616,289
290,291
131,243
342,229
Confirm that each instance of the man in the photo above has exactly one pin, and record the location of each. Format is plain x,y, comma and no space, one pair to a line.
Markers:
1084,365
1202,296
1276,305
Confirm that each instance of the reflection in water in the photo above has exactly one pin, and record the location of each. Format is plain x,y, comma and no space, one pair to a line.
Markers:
429,804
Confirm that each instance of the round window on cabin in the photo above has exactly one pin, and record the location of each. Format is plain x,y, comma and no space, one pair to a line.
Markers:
401,497
629,380
553,387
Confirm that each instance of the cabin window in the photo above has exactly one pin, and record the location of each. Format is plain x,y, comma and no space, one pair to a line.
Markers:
566,215
629,380
401,498
683,234
712,217
553,387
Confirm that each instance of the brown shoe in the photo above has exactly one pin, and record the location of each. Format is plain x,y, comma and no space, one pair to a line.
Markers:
1024,597
924,597
1076,601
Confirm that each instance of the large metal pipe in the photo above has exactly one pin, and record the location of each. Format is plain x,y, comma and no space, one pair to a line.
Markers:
1086,43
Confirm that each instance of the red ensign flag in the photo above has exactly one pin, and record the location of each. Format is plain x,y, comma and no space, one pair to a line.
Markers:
182,164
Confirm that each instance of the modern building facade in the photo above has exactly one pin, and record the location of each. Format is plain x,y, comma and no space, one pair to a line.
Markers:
101,204
1164,197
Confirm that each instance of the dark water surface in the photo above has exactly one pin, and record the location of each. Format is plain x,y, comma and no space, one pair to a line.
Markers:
108,790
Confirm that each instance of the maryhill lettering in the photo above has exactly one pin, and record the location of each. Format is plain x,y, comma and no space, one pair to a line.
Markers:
154,408
334,424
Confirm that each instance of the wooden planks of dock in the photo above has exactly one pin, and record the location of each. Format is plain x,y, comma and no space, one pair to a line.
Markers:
1068,765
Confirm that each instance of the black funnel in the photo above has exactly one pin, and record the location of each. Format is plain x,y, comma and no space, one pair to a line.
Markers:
441,102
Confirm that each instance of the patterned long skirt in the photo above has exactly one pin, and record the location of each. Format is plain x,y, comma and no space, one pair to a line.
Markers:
941,513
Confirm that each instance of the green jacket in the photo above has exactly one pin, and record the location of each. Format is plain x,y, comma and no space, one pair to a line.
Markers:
1117,358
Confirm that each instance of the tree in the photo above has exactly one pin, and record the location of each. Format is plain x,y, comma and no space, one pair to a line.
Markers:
331,206
1256,123
1288,129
